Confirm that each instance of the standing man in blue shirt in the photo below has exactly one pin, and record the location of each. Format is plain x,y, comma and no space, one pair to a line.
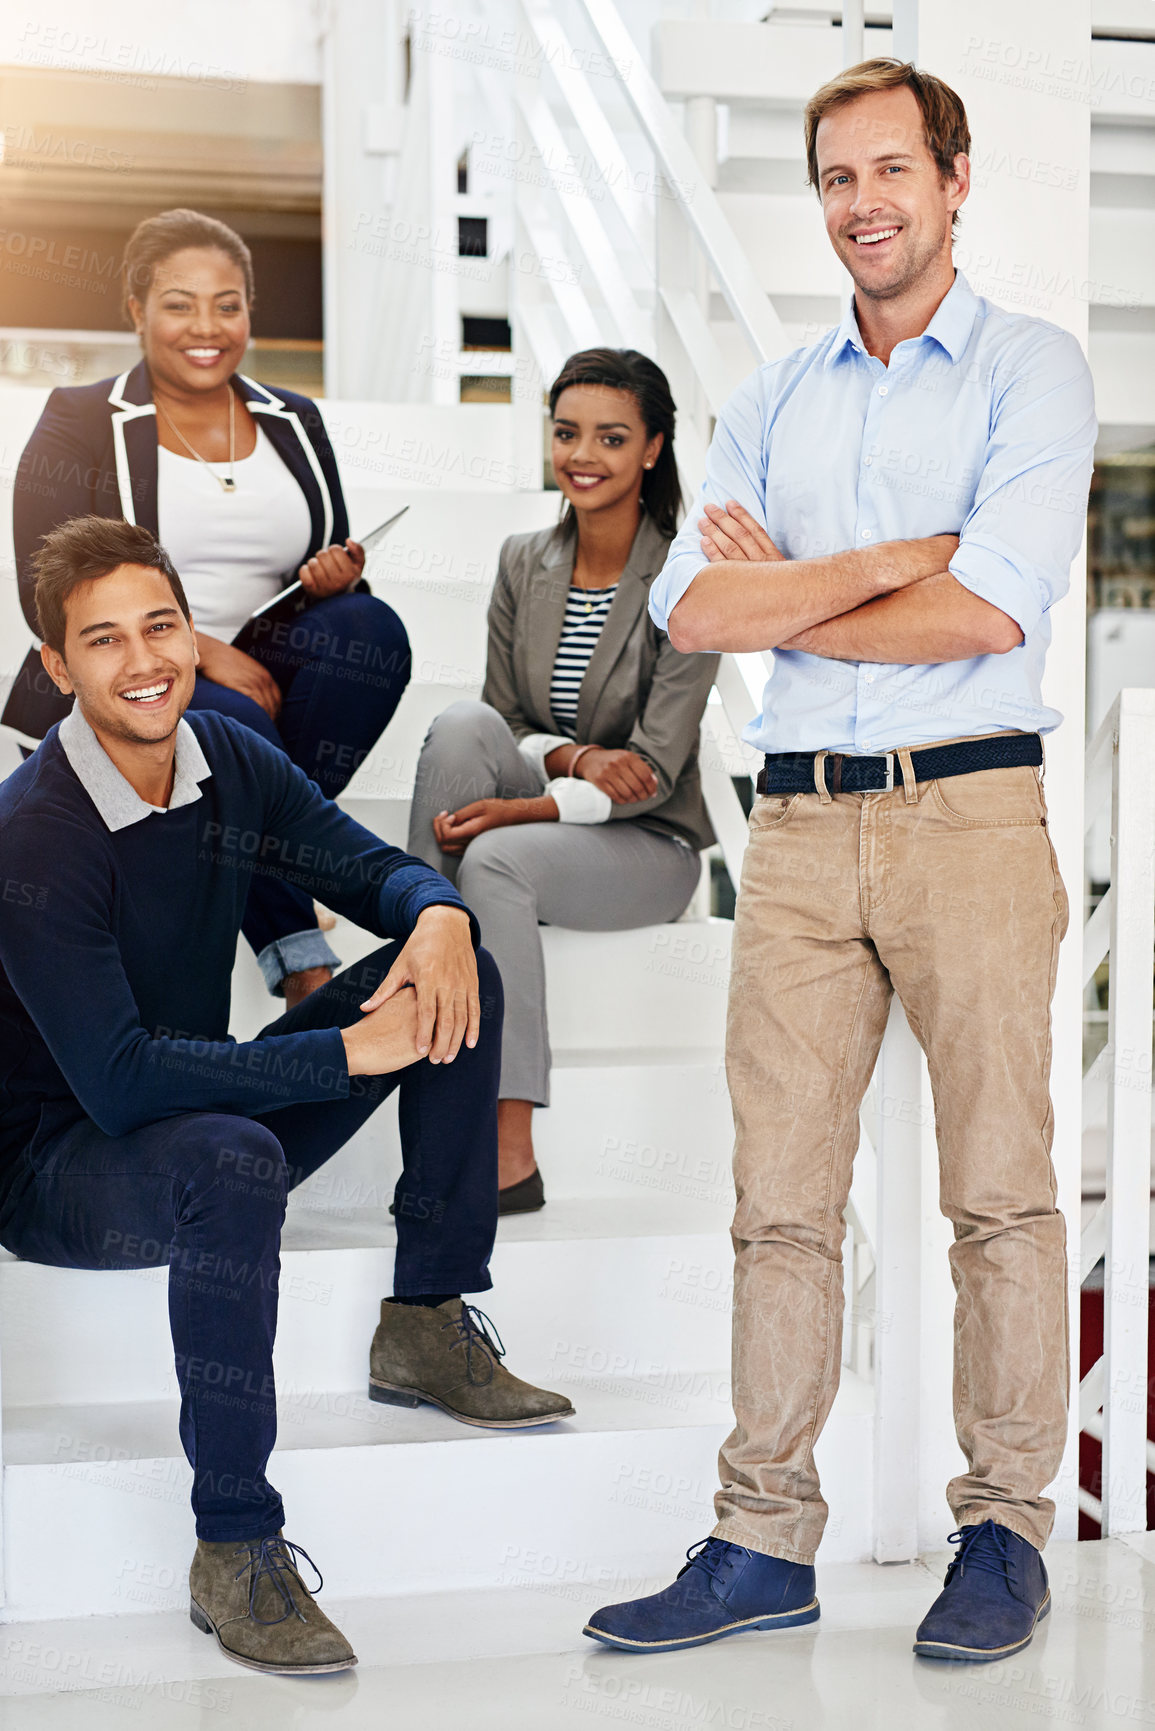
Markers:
893,511
134,1132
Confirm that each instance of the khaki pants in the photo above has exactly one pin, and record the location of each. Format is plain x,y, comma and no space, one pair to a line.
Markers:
948,893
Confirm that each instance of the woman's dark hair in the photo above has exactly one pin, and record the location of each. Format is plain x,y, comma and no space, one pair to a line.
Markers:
84,549
627,370
158,237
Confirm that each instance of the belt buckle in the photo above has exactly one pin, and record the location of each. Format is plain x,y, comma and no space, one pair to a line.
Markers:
888,784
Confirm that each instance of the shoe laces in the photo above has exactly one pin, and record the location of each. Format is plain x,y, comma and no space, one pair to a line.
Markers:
473,1334
986,1546
707,1555
271,1560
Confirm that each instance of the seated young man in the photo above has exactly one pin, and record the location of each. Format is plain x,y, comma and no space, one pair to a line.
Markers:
129,1118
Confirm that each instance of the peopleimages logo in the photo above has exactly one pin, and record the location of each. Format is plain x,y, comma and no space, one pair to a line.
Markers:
136,63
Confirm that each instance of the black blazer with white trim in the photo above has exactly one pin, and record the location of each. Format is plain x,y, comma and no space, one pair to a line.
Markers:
93,452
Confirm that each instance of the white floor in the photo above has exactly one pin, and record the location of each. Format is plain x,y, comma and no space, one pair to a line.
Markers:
516,1660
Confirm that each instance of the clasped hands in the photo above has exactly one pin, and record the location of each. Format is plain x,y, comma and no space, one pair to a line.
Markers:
426,1005
624,775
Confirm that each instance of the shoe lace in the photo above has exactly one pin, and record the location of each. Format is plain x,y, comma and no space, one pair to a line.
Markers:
707,1555
473,1333
271,1559
986,1546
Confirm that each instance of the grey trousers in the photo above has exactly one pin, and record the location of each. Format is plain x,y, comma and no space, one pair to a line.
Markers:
609,877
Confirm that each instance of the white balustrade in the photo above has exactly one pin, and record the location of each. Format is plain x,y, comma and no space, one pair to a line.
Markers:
1113,1394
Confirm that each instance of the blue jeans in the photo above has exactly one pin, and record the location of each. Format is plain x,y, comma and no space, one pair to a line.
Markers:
205,1193
341,667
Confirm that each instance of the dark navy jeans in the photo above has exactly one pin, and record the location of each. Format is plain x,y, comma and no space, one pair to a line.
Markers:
205,1193
342,667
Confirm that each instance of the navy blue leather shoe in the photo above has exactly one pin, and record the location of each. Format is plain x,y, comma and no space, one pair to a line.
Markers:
722,1590
994,1594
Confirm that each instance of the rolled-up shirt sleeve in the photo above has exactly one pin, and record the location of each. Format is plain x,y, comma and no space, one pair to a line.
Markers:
1024,529
735,469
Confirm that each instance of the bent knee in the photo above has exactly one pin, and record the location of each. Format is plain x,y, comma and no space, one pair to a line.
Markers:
376,620
489,983
361,618
237,1151
466,720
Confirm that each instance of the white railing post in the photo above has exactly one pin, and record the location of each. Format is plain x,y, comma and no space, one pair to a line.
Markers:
1132,948
444,307
853,32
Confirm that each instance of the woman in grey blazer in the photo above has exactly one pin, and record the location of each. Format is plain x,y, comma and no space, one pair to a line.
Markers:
570,794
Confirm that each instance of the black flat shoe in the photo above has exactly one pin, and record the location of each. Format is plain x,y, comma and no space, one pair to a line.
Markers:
525,1197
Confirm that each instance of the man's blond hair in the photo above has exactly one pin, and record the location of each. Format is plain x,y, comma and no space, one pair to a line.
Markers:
944,119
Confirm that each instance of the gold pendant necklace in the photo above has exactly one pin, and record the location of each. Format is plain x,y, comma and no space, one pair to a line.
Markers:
227,483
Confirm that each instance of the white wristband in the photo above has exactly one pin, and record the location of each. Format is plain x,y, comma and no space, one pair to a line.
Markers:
579,801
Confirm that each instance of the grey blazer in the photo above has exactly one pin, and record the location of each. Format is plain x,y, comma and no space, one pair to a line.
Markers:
639,692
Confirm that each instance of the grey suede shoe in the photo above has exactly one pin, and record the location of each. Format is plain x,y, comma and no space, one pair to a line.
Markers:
249,1594
447,1357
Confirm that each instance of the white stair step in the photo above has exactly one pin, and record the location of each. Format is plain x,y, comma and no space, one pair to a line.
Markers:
403,1505
652,989
638,1130
437,566
614,1129
638,1286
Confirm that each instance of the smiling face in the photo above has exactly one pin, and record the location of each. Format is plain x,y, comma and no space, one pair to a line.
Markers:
129,656
194,320
600,447
886,207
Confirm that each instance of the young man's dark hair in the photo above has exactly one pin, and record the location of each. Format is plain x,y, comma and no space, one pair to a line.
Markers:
85,549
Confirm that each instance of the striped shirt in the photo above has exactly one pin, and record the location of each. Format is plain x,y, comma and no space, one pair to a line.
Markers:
585,614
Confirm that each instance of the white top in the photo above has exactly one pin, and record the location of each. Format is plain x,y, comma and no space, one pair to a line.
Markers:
232,550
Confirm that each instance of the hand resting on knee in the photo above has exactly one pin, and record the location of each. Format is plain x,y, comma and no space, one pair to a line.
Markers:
385,1039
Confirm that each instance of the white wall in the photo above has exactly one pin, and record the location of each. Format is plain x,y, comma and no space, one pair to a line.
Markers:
226,43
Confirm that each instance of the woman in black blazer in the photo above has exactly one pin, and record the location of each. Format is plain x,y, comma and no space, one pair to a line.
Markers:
239,482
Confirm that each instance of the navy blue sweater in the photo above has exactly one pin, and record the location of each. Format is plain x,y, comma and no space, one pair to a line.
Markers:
117,947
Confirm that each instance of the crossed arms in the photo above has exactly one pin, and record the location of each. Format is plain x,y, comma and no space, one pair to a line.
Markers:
894,603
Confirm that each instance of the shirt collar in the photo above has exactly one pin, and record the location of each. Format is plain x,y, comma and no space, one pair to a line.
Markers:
950,327
115,799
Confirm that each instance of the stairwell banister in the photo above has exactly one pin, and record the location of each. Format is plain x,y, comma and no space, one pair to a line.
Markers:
735,275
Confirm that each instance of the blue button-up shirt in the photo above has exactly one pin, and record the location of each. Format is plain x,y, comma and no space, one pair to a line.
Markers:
982,427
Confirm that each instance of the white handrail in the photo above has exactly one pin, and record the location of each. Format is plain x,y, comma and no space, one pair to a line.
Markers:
724,253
